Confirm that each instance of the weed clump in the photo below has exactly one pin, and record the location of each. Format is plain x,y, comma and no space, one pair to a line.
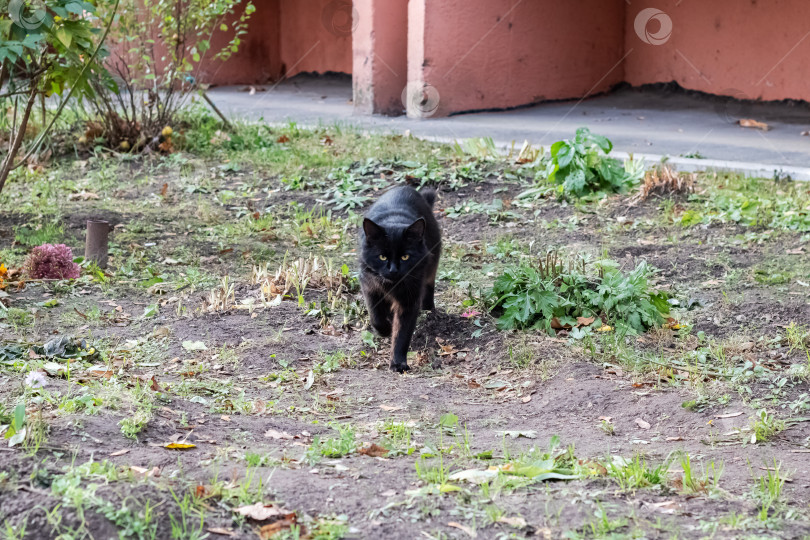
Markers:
555,294
50,261
582,167
665,181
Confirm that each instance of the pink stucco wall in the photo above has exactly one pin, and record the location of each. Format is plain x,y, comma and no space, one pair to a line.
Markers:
467,55
379,73
258,59
287,37
757,49
307,42
481,54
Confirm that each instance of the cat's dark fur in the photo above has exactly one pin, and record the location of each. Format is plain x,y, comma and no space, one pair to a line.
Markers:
400,245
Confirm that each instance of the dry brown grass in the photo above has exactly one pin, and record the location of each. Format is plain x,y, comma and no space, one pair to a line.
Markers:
664,180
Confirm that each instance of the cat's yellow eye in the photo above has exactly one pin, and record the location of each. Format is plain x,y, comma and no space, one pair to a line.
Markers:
405,257
383,258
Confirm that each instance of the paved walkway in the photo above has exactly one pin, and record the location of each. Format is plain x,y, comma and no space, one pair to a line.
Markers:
648,123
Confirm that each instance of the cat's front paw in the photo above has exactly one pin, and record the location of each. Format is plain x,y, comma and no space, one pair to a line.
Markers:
400,367
382,329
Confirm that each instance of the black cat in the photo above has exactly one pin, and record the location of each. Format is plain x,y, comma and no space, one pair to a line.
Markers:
399,254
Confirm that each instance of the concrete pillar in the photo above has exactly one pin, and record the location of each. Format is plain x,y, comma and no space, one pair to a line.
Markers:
379,68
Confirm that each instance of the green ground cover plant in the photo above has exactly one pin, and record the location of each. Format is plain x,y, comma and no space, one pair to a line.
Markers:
554,292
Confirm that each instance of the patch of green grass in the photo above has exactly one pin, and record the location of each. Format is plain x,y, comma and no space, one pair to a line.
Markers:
768,490
189,523
765,427
397,437
735,198
636,473
50,232
86,403
255,459
142,406
332,362
336,447
705,481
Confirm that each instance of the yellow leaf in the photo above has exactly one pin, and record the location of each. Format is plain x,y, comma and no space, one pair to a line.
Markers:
447,488
604,328
179,446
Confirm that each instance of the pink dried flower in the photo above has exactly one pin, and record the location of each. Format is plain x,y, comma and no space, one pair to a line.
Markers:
470,312
50,261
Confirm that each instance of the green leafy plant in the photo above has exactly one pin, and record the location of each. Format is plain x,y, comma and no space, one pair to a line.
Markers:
636,473
553,293
46,48
162,47
581,166
765,427
340,446
16,423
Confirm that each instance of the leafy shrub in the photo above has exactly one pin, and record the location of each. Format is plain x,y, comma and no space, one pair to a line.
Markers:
50,261
581,166
162,45
552,293
47,47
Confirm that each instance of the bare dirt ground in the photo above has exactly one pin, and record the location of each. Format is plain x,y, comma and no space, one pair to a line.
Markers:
294,408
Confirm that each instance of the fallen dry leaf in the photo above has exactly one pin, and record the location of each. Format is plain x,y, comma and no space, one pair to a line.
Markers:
283,139
221,531
390,408
470,532
526,399
179,446
728,415
272,529
262,512
642,424
119,452
273,434
751,123
516,521
678,438
142,471
665,507
373,450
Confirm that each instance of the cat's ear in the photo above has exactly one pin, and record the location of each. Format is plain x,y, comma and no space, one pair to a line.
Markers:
374,232
416,230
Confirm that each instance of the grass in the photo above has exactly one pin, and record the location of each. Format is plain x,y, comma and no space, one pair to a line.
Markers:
705,481
764,427
254,199
636,473
334,447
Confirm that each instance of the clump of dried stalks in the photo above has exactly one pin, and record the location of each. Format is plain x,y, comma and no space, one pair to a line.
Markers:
664,180
222,298
314,272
